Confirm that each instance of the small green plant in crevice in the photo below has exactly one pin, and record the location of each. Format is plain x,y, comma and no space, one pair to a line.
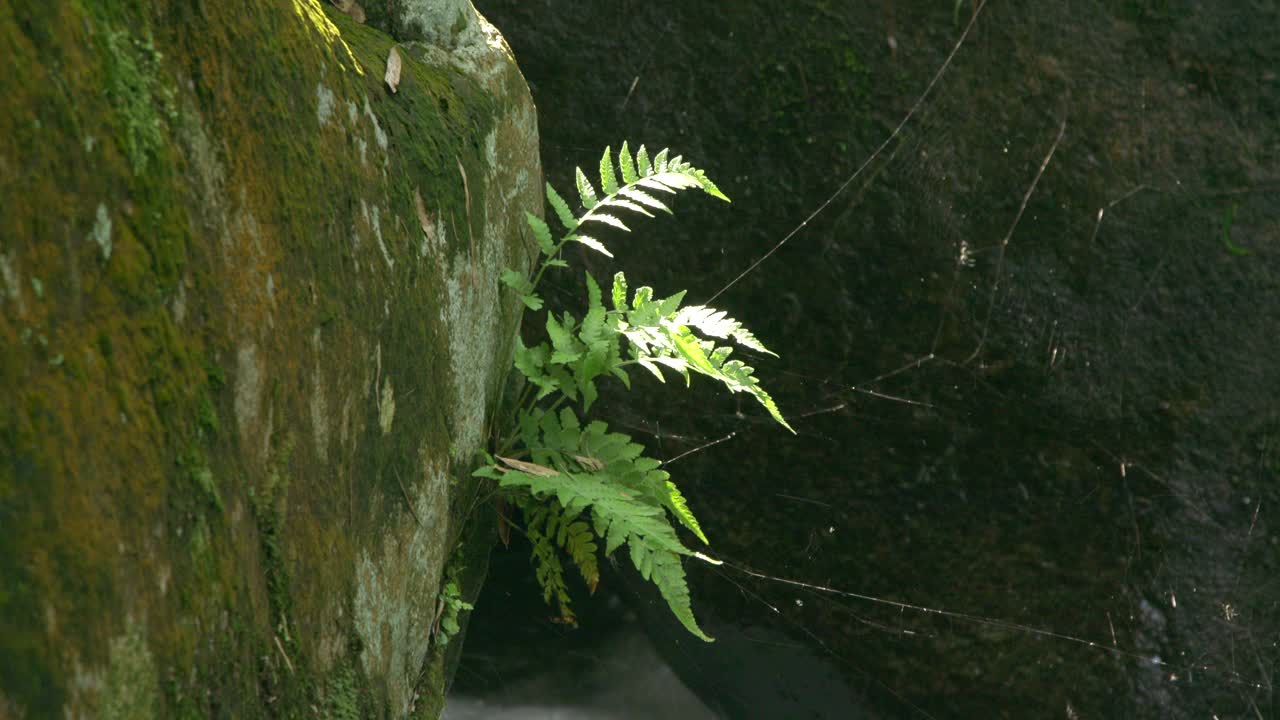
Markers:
577,484
449,608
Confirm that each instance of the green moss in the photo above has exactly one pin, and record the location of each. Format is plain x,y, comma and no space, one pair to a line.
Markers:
207,417
142,100
130,690
342,701
172,231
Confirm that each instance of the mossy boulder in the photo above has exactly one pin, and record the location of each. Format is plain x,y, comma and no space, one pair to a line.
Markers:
250,340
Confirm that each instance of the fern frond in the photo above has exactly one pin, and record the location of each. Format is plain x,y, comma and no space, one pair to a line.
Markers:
639,177
642,162
620,292
654,183
561,209
619,201
546,559
607,220
578,542
585,191
541,233
530,362
658,332
577,469
738,378
676,503
644,198
717,323
660,161
625,165
580,486
666,571
592,243
608,181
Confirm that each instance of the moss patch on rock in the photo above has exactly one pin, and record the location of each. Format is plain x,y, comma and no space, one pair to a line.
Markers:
227,238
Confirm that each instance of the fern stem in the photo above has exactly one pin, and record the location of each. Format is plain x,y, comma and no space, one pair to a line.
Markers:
604,202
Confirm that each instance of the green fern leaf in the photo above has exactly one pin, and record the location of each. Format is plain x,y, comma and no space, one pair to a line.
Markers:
608,181
530,362
585,191
626,165
676,503
516,281
675,180
642,162
541,233
546,560
688,346
738,378
644,198
563,381
522,285
578,541
668,575
658,335
660,161
717,323
708,186
668,305
565,347
561,209
649,365
619,513
642,558
622,376
607,220
621,202
677,364
653,183
592,243
595,298
589,394
619,292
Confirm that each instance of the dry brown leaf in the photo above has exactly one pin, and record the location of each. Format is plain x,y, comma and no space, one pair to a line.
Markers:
392,78
528,467
504,523
350,7
428,227
589,463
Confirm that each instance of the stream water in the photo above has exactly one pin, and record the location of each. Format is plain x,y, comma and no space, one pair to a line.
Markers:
1027,322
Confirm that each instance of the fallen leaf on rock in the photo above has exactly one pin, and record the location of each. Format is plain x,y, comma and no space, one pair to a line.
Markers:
350,7
392,77
428,224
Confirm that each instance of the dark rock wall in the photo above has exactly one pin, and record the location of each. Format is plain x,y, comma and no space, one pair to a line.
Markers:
1076,434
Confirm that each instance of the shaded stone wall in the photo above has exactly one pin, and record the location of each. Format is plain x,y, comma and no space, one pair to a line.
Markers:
250,339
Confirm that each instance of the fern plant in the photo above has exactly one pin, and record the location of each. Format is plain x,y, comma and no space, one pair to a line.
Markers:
577,484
